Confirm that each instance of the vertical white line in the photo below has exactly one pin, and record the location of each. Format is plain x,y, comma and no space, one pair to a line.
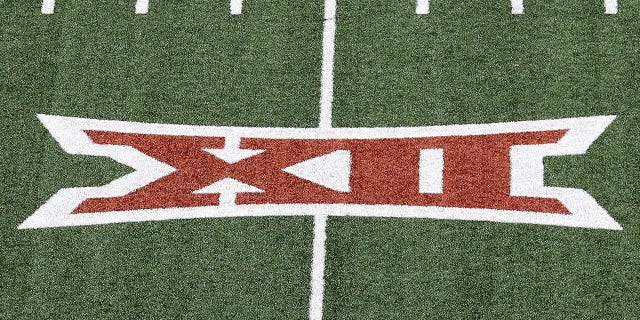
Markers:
48,6
610,6
317,266
142,7
326,106
236,7
517,6
328,50
422,6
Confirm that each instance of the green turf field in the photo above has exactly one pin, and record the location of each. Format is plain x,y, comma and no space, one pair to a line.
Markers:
191,62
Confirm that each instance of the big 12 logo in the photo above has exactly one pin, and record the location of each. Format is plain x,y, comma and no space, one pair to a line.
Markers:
483,172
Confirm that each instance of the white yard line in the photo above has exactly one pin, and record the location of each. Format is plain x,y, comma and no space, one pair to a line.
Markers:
48,6
422,7
328,48
142,7
317,266
236,7
326,108
517,6
610,6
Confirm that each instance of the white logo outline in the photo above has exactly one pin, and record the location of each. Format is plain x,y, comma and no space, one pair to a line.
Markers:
527,173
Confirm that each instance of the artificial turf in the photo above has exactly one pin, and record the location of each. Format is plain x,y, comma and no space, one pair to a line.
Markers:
190,62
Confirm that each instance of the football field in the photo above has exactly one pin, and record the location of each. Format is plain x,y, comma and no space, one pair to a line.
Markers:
85,85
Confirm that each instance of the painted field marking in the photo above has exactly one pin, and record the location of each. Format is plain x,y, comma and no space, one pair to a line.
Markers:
422,7
317,266
328,51
515,151
48,6
610,6
517,6
142,7
431,170
236,7
326,109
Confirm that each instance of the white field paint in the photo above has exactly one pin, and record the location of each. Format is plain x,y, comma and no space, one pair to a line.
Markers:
317,266
328,51
235,7
610,6
142,6
326,122
527,176
431,170
331,170
228,188
232,152
48,6
517,6
422,6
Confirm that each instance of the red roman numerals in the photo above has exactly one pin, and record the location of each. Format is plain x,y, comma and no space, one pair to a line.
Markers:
477,172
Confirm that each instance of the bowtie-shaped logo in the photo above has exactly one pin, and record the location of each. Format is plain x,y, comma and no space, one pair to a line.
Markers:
486,172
